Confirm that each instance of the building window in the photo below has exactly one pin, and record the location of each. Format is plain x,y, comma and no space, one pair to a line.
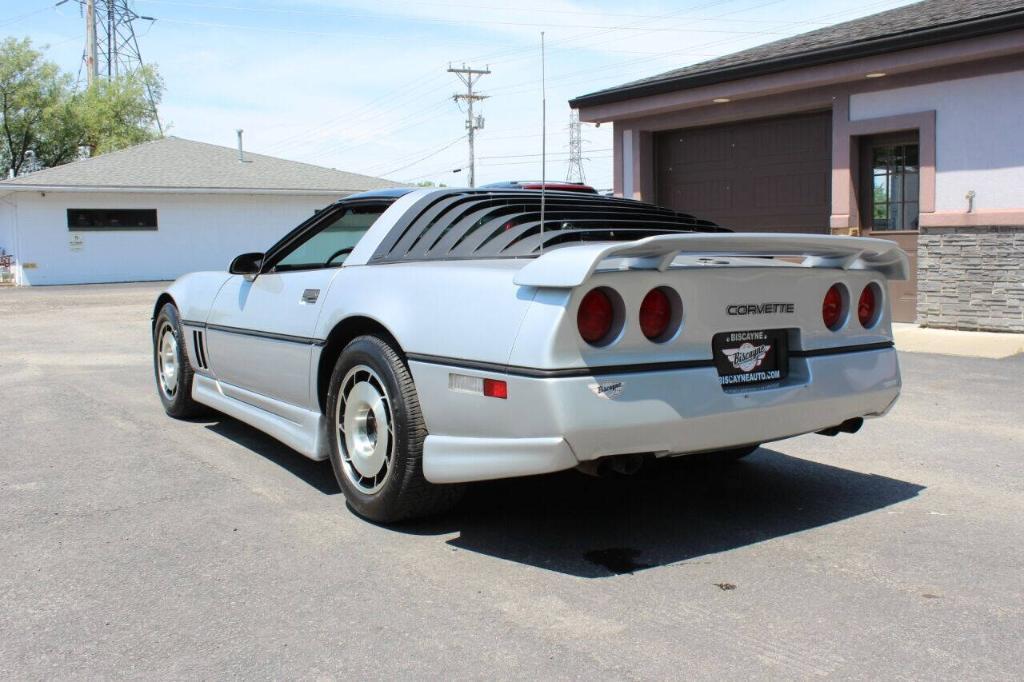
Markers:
895,182
111,219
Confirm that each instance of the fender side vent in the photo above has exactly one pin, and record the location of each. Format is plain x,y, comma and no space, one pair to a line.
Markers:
199,343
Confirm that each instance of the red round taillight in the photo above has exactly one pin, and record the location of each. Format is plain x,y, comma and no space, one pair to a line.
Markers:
595,316
832,308
867,306
655,314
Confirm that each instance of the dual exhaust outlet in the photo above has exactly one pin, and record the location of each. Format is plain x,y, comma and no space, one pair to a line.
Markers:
627,465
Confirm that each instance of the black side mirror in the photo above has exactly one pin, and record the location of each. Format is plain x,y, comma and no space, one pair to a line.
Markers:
247,264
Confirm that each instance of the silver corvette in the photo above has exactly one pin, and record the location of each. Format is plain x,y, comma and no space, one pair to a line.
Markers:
424,339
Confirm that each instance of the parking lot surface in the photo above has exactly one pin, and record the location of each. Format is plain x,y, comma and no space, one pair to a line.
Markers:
139,546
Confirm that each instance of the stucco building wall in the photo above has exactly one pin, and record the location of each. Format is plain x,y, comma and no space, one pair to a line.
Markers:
195,232
978,140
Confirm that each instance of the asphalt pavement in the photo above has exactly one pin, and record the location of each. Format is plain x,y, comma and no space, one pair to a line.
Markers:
134,545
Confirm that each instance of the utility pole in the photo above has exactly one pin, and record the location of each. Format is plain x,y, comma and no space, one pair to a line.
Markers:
91,65
469,76
575,172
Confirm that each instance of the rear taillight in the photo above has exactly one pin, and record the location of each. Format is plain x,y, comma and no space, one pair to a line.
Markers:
655,314
867,306
832,308
595,316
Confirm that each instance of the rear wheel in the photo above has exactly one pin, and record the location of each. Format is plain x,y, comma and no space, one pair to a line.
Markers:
377,436
170,363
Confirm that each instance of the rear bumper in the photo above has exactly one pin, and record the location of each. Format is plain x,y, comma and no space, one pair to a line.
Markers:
551,424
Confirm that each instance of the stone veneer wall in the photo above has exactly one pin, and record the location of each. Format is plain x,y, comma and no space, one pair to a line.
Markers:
971,278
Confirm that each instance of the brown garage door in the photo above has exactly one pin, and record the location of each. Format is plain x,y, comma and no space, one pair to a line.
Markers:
765,175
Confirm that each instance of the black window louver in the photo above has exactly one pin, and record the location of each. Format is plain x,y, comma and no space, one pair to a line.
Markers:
474,224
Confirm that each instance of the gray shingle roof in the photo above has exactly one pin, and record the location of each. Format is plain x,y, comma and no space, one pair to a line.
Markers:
941,20
177,163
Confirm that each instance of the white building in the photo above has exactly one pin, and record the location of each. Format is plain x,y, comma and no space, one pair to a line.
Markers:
158,210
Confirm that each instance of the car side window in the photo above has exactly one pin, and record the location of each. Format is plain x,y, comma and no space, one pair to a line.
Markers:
330,245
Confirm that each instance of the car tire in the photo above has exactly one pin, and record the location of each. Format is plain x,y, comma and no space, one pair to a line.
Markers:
173,371
376,436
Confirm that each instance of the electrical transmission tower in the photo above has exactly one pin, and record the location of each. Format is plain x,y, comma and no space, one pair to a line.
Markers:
469,76
111,46
575,172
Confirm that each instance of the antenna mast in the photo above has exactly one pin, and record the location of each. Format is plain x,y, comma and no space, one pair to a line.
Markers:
543,138
469,76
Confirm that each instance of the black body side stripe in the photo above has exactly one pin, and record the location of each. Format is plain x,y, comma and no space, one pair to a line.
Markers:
257,333
567,372
603,370
514,370
839,350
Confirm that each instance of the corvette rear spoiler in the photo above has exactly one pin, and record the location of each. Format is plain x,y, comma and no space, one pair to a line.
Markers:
570,266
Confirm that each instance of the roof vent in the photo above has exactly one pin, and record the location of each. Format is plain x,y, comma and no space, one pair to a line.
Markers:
241,150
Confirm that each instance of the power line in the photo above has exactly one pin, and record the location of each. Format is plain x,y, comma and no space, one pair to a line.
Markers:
494,56
407,92
414,119
14,20
508,55
570,78
437,20
526,156
430,155
528,163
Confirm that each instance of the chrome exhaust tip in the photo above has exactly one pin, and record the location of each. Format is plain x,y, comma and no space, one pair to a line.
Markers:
849,426
619,465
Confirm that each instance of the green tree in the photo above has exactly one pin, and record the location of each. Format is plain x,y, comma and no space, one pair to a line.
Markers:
33,98
114,114
41,111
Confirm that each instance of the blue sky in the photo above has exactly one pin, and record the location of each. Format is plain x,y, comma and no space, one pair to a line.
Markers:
361,85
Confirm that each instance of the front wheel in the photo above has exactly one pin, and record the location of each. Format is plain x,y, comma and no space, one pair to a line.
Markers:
377,436
170,363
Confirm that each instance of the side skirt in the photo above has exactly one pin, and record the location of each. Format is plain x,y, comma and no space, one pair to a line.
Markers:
299,429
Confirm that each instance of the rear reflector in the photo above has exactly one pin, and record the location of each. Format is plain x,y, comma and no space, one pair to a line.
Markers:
490,388
495,388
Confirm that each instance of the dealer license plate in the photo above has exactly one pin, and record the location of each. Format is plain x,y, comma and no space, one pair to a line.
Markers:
750,357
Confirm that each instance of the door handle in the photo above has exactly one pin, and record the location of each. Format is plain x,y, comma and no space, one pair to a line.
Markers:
310,295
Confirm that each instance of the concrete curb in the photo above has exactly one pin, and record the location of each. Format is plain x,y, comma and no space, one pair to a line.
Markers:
915,339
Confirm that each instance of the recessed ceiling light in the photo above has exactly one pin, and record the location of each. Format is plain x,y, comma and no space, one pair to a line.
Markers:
721,100
875,74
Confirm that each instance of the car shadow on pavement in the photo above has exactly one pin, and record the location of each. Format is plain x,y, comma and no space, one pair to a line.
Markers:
673,511
670,512
317,474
